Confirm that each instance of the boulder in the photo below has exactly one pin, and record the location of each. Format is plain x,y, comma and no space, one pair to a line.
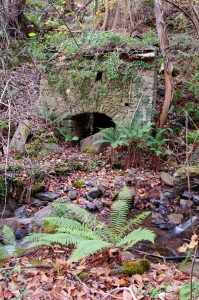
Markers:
180,180
38,218
49,148
20,136
91,143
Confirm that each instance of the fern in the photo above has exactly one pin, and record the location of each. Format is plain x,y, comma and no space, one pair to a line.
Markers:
83,216
8,235
80,228
3,252
87,248
119,212
136,236
133,223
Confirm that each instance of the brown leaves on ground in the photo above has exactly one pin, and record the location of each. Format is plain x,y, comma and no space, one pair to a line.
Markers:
56,279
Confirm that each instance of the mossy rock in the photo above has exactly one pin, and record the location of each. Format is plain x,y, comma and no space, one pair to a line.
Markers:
18,182
83,275
132,267
78,184
61,170
75,165
38,187
89,151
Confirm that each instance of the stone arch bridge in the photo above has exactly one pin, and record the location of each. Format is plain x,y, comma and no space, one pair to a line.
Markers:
97,108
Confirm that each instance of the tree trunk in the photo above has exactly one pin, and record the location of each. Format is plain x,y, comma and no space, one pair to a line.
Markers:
164,44
106,16
12,19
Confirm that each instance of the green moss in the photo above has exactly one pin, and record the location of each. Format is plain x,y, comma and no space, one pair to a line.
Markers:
135,267
89,151
38,187
78,184
18,182
83,275
20,156
61,170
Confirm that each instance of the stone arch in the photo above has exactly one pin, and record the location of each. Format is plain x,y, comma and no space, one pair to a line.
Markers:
86,124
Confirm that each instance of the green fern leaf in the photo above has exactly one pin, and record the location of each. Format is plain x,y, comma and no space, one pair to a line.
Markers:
137,236
87,248
64,222
125,196
3,252
132,223
83,216
8,235
119,213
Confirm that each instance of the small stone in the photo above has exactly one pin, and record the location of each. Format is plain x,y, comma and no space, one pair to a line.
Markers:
169,195
196,198
175,218
187,195
72,194
131,172
90,206
21,212
21,232
47,196
184,203
93,194
37,203
98,204
167,178
89,183
166,226
128,180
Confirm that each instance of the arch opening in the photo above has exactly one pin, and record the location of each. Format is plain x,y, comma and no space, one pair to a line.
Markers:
86,124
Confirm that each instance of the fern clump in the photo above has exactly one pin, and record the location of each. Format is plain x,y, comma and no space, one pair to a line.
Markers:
76,226
8,239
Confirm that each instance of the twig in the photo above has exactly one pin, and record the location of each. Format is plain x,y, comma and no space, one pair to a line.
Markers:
27,267
191,274
85,5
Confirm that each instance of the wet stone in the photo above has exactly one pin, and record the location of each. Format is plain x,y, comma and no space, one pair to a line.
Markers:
93,194
167,179
196,198
187,195
175,218
47,196
92,207
128,180
72,194
89,183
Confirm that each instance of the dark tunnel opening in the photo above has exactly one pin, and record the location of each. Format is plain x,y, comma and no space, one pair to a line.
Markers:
86,124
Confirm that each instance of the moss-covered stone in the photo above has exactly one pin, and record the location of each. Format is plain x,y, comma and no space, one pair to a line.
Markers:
135,267
38,187
83,275
78,184
132,267
61,170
